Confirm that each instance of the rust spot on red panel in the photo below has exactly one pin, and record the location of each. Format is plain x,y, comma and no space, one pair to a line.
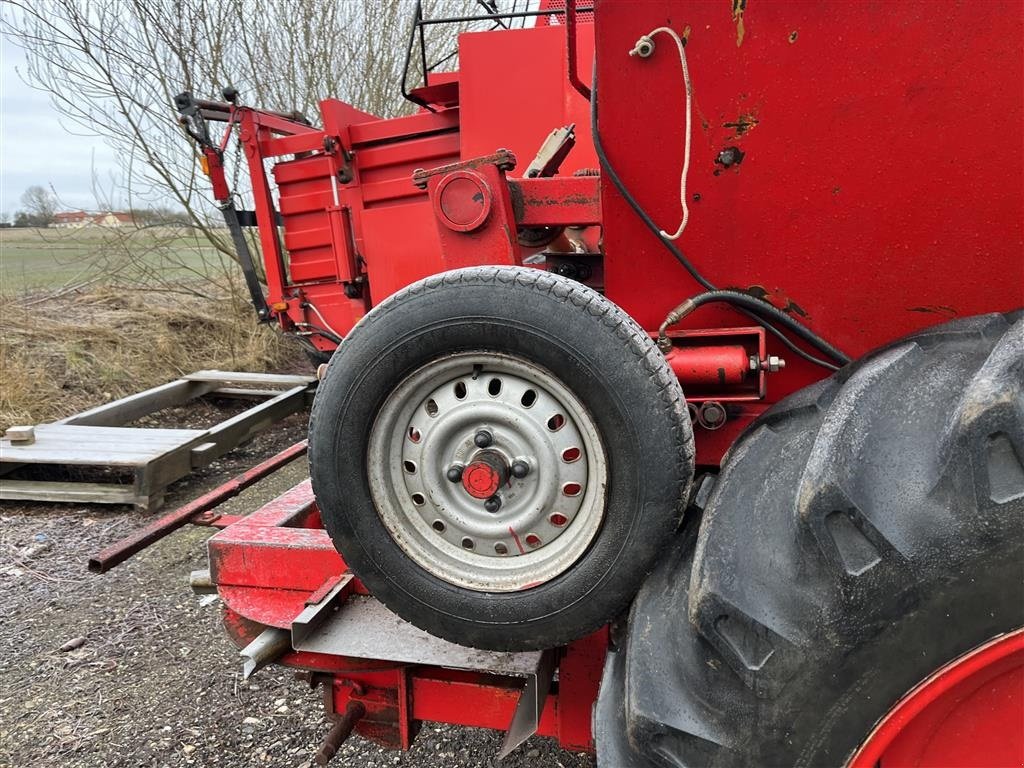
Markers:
776,298
742,125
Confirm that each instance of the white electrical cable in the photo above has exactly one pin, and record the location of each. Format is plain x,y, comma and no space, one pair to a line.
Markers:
640,50
316,312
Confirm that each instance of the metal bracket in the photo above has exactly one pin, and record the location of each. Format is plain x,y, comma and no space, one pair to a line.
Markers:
314,614
503,160
552,152
526,718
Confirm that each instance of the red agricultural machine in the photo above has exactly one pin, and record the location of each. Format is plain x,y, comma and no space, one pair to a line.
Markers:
676,403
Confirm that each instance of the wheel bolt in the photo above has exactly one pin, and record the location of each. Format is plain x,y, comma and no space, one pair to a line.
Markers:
483,439
493,504
454,473
520,468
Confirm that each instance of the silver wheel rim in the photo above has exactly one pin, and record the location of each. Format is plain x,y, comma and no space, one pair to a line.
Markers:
546,520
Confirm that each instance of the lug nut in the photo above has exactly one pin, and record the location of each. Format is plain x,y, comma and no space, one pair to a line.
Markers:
493,504
454,473
483,439
520,468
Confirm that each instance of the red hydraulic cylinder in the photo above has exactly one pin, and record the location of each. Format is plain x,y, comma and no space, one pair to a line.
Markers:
711,366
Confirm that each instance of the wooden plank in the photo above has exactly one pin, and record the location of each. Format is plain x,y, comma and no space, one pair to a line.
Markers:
146,435
157,456
92,446
89,493
201,451
224,378
242,393
240,428
141,404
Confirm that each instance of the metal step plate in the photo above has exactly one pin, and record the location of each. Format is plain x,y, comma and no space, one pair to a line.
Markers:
363,628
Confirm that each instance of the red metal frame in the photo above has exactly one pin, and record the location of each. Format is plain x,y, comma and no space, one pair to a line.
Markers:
357,229
871,200
269,565
970,712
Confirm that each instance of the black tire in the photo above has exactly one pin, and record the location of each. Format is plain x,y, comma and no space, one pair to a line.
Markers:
862,534
591,346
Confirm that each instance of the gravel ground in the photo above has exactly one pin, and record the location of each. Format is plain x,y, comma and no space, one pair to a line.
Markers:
155,681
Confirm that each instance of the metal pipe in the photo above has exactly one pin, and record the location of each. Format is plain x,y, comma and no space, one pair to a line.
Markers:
201,582
341,730
120,551
570,22
503,15
267,647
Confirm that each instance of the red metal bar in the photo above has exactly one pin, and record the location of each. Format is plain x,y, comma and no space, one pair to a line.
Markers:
554,202
284,126
570,46
290,145
473,700
265,550
120,551
251,135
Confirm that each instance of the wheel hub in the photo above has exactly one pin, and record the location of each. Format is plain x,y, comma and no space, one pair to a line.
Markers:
488,472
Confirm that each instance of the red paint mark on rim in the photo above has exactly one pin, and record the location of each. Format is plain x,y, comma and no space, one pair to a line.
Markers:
515,538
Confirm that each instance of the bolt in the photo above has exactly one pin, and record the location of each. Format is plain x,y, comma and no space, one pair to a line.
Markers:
520,469
773,363
711,415
454,473
483,439
493,504
730,156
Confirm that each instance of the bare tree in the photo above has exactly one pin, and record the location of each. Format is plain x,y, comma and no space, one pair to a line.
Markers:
112,68
40,206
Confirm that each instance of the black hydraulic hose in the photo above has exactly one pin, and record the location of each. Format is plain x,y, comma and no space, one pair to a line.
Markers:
749,305
757,306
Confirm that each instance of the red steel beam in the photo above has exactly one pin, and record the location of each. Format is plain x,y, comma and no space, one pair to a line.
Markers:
557,201
120,551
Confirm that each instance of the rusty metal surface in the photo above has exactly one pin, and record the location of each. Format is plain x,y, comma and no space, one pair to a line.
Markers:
122,550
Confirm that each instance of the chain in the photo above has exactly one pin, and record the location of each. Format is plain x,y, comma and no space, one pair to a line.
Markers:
238,161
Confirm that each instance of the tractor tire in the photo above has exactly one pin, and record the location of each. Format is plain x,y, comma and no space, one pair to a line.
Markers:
863,533
587,440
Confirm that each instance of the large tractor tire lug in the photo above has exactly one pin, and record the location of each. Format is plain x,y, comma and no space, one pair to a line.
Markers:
864,533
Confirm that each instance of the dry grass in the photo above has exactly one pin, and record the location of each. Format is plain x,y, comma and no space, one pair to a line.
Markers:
62,355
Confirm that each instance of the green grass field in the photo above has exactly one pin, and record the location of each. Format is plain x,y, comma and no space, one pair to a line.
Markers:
47,259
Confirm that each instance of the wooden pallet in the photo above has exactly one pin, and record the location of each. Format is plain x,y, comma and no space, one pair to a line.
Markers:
154,457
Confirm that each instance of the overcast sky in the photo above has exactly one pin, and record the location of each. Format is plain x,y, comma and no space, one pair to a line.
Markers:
36,149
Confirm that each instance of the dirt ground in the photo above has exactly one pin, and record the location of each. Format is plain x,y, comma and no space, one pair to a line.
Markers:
156,682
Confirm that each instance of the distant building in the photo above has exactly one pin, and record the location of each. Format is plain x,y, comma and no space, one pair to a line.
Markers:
76,219
71,219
